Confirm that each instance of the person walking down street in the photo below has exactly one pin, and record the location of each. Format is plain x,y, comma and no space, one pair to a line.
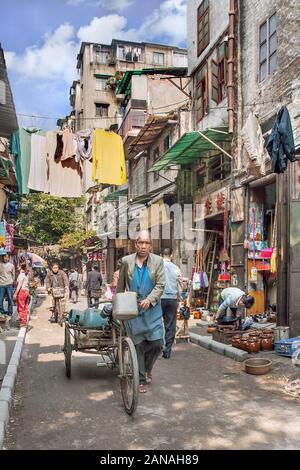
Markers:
42,277
169,300
143,273
21,295
7,279
57,278
74,285
93,287
234,299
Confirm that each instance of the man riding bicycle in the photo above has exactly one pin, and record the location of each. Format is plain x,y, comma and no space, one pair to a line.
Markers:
56,278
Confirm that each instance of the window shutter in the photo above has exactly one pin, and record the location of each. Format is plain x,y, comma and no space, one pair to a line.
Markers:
214,81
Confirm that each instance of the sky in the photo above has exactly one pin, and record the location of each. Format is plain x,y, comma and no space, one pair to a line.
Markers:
41,40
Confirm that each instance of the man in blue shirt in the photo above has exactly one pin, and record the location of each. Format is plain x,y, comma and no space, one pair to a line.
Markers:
169,300
143,273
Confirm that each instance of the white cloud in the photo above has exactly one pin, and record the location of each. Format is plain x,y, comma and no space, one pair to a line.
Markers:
104,29
55,59
109,5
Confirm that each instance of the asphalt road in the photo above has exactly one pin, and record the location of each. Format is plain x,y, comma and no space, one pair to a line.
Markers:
198,400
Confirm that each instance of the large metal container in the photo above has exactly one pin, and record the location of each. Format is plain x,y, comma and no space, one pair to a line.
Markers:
125,306
281,332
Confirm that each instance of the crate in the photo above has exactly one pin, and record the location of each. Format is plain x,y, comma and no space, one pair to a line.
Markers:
287,347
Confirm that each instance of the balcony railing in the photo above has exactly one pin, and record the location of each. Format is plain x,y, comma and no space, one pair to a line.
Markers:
134,119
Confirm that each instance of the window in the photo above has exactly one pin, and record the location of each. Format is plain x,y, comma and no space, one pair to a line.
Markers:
101,109
2,92
219,168
268,47
158,58
167,142
201,93
203,26
101,84
219,74
101,57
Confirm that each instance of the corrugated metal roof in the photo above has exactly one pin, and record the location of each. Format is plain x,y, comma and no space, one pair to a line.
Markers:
191,146
124,86
8,117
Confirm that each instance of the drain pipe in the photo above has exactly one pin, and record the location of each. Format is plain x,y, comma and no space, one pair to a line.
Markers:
230,84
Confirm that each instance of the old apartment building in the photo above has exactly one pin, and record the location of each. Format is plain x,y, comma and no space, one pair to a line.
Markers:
266,79
100,68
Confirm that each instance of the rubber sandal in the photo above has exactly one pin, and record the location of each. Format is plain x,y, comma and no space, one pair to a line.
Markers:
149,377
142,388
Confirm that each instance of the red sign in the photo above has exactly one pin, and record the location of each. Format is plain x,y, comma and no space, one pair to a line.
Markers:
95,256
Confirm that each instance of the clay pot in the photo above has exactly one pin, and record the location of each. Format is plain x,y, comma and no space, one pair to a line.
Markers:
254,334
243,343
210,329
235,342
199,302
253,346
266,343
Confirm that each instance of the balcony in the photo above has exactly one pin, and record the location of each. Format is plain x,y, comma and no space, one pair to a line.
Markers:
134,120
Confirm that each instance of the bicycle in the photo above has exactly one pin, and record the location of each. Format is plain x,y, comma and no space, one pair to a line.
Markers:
58,294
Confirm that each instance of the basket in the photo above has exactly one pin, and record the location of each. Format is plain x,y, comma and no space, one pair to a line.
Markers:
58,293
287,347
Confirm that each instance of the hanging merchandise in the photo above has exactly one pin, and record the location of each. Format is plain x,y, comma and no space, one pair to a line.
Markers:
9,237
274,244
253,274
12,209
224,254
108,158
281,145
38,175
2,234
196,281
254,142
84,141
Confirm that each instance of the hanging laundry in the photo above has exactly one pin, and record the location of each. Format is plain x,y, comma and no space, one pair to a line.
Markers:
87,169
38,175
254,142
84,141
281,145
59,147
21,149
65,176
108,158
70,144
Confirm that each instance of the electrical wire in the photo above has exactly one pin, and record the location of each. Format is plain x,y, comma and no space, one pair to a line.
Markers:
160,107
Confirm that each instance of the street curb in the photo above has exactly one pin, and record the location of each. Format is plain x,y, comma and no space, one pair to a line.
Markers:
219,348
8,384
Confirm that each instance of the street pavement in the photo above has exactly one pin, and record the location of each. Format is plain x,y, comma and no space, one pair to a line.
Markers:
198,400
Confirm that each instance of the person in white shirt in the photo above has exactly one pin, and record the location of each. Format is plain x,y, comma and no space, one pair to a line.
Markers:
7,279
169,300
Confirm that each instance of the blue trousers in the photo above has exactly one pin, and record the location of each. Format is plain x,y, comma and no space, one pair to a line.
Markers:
6,291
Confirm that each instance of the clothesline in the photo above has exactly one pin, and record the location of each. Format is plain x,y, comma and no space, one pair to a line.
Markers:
160,107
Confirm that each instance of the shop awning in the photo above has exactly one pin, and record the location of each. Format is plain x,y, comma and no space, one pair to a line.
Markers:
154,126
115,195
190,147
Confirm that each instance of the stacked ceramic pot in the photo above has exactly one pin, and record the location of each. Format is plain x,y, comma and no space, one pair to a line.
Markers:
254,341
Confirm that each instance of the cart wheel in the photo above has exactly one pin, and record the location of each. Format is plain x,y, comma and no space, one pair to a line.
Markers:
68,351
130,376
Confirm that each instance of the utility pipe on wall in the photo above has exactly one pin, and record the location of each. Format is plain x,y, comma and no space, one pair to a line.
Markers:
230,84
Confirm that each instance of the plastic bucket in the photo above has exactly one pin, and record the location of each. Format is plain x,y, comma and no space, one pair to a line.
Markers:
281,332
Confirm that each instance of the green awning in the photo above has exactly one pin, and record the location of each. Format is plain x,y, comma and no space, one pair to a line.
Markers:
115,195
101,75
147,197
190,147
125,84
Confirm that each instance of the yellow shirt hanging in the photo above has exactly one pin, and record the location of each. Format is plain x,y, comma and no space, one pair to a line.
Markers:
108,158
